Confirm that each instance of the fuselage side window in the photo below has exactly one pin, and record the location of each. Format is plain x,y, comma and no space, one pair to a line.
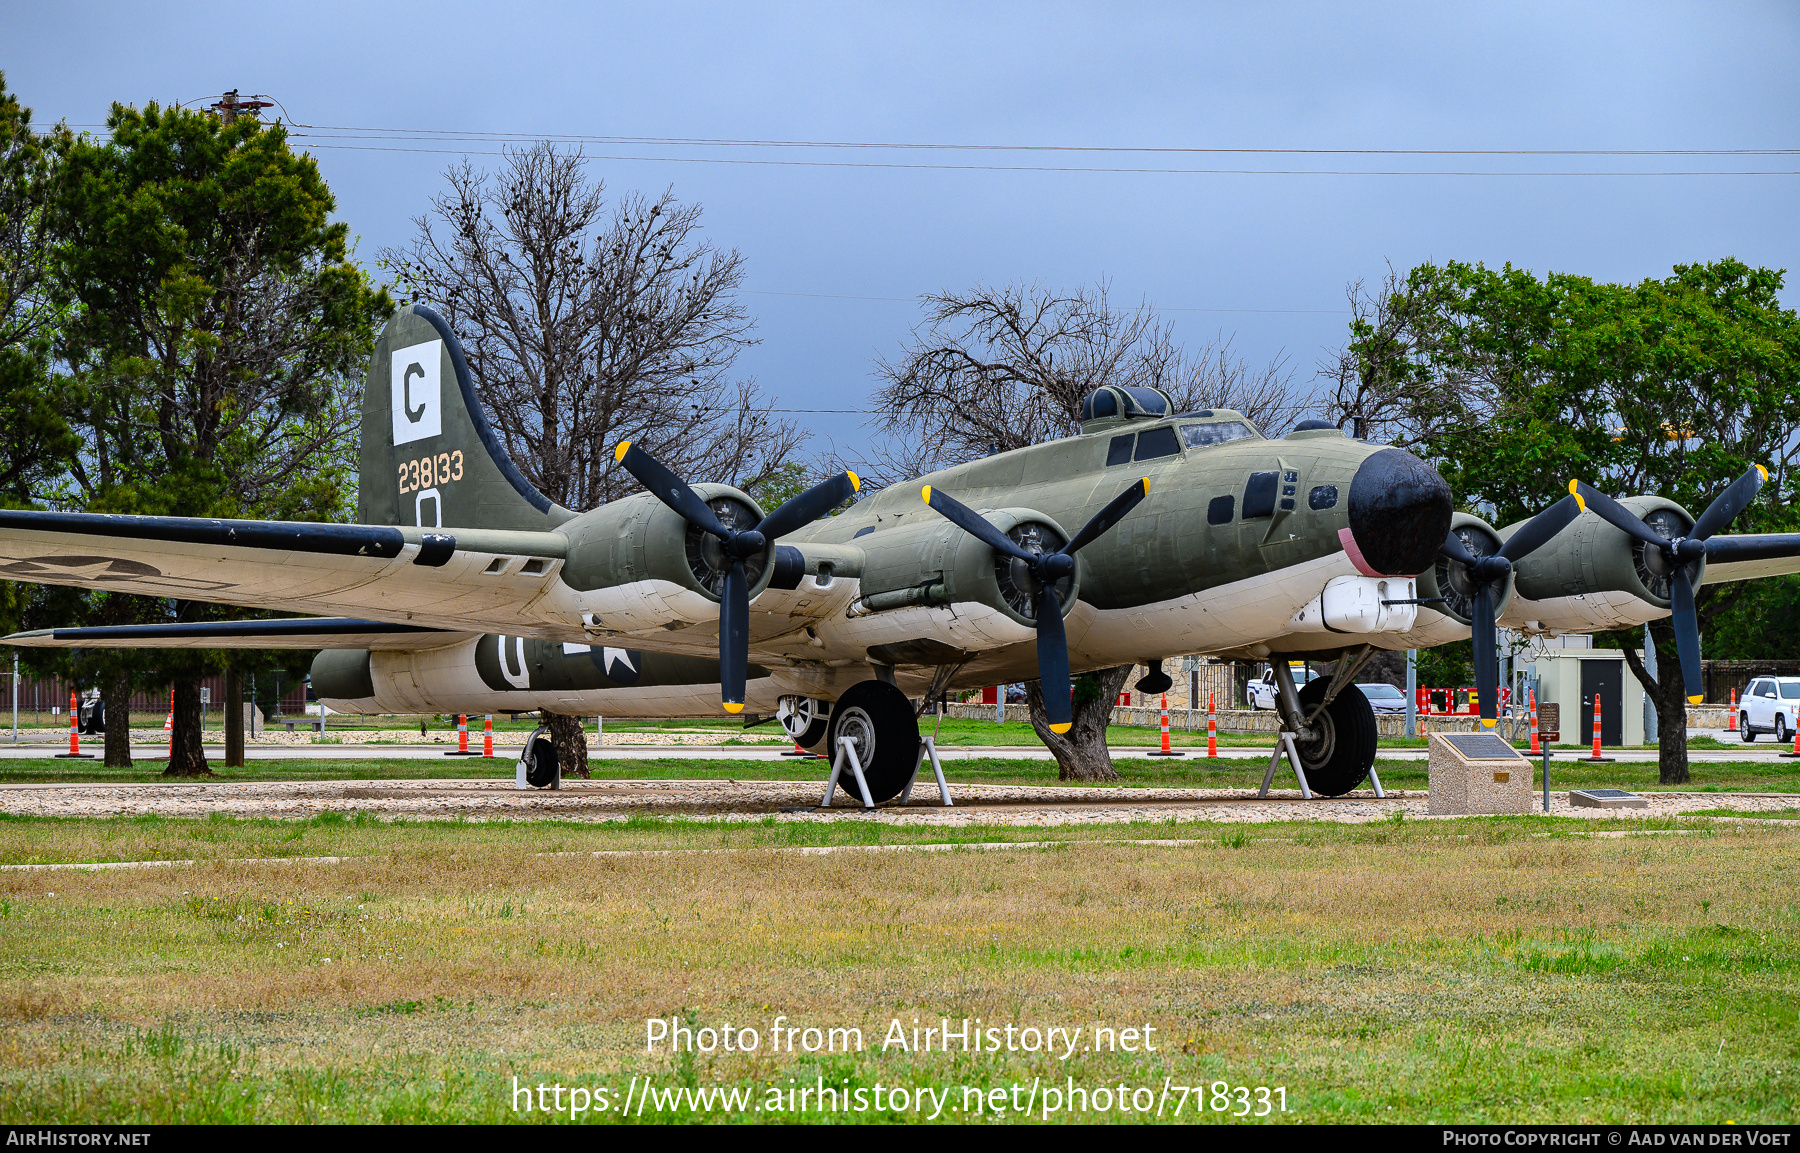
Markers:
1322,497
1119,451
1201,435
1259,494
1219,509
1155,442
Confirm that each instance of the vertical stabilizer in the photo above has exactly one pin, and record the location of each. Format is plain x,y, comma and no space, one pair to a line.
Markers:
429,456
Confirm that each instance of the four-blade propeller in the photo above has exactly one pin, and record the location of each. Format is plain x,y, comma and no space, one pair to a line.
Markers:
1487,572
1043,570
1675,557
737,546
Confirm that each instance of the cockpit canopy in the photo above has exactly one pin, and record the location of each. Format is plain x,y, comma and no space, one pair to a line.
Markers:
1116,403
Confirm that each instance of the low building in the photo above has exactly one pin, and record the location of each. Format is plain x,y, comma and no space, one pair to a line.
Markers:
1571,677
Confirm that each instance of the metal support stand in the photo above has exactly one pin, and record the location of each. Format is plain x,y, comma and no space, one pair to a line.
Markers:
1375,779
1285,742
847,751
928,748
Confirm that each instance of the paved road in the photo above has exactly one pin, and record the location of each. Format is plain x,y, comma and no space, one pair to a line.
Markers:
503,760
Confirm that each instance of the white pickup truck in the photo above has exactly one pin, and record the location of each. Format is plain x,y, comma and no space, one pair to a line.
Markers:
1261,691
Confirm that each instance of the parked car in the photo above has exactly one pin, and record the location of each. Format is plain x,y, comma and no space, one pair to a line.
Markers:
1769,705
1383,698
1260,693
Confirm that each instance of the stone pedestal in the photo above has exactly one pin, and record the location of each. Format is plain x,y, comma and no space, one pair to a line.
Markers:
1477,773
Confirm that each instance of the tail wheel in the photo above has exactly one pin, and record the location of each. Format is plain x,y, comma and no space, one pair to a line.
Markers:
803,718
1342,750
882,721
541,768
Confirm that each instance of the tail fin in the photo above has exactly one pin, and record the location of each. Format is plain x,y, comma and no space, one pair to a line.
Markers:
429,456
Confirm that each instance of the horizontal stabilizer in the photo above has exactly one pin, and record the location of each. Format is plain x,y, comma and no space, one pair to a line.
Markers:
285,633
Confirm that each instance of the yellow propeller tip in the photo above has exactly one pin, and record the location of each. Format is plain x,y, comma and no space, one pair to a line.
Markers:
1572,485
1146,486
855,481
1579,503
624,447
1061,729
1696,699
926,493
1486,724
1764,471
732,707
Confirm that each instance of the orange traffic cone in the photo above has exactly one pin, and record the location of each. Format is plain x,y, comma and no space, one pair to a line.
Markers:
1166,751
462,748
487,735
1535,749
1597,758
1212,728
74,753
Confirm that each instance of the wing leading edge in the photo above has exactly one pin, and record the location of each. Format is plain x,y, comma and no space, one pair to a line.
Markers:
285,633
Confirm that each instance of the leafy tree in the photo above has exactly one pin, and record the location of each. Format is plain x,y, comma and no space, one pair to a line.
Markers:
1673,386
217,330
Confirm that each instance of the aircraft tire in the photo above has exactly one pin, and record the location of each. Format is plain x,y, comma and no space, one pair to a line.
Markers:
878,713
1340,757
541,767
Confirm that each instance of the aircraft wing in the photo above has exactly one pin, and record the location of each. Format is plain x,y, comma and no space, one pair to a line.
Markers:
1751,556
467,581
286,633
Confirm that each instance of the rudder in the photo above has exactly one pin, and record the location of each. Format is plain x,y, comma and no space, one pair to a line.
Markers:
429,456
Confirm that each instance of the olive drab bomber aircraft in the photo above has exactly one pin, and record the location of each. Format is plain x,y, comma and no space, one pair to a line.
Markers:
1150,534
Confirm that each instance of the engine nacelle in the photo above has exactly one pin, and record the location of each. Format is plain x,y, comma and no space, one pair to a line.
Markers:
1443,621
640,565
930,579
1594,576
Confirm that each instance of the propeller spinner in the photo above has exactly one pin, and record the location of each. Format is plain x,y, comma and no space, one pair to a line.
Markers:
1042,571
736,546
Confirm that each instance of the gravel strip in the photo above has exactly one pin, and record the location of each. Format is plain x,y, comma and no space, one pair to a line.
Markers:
1016,805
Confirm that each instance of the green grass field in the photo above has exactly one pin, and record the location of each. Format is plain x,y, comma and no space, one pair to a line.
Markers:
1488,969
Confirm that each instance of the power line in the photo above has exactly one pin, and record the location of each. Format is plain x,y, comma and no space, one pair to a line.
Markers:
334,136
915,300
726,142
1101,169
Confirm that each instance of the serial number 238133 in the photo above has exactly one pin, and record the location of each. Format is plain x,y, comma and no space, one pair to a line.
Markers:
430,471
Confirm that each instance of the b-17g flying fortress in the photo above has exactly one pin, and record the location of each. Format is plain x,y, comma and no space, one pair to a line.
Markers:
1151,534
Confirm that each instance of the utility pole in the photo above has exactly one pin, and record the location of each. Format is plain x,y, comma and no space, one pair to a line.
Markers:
230,107
1412,693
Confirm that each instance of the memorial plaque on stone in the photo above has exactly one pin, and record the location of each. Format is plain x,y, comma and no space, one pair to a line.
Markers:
1476,773
1607,799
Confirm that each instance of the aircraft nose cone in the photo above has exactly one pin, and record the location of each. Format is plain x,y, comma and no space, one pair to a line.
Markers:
1399,514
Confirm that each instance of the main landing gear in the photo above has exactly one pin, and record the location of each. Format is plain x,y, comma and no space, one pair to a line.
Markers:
886,730
1333,725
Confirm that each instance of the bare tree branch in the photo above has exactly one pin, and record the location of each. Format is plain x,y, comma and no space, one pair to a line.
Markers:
585,326
994,369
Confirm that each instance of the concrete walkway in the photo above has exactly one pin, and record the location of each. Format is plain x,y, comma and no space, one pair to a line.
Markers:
505,755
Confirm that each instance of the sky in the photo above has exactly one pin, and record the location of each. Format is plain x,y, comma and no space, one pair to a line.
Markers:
837,255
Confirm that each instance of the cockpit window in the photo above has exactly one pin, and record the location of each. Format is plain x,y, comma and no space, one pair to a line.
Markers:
1155,442
1202,435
